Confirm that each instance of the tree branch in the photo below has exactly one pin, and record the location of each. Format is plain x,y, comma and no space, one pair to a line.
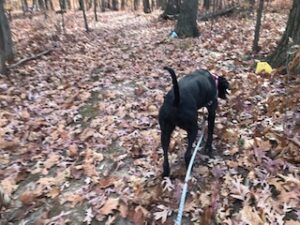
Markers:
22,61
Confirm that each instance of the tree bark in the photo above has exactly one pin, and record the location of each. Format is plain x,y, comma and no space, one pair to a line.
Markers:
252,4
95,10
187,22
206,4
123,4
115,5
162,4
41,4
62,4
255,47
24,6
136,4
6,44
48,4
84,16
292,31
172,9
102,5
147,7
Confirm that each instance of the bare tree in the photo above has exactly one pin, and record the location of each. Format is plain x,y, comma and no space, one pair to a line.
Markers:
24,5
206,4
187,22
102,5
161,4
115,5
48,4
172,9
95,10
123,4
6,44
292,31
136,4
255,47
147,7
84,16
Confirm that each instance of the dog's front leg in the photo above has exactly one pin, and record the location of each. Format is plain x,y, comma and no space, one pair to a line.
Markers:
211,125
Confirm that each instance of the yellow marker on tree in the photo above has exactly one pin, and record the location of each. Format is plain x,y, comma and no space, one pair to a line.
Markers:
263,67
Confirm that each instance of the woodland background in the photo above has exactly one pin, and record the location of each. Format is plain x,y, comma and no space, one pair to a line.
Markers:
79,137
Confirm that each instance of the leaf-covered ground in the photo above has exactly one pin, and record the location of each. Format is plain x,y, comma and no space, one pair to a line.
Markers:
79,137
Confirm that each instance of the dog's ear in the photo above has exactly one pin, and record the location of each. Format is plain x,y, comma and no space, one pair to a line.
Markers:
223,85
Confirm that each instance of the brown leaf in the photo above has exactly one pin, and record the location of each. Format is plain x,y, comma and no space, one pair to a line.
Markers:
28,197
73,150
109,206
207,215
53,193
251,216
138,217
74,199
52,160
123,208
9,144
87,133
107,182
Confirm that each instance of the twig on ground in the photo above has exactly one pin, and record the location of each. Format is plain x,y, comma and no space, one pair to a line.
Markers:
22,61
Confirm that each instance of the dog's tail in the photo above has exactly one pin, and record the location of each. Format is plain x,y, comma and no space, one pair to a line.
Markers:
175,86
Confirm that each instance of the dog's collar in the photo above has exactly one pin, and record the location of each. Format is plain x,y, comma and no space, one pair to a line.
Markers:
216,78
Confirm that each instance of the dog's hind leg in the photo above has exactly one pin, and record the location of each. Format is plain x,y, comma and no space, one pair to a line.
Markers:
192,134
166,132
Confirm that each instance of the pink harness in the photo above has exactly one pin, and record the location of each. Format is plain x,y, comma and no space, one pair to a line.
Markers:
216,78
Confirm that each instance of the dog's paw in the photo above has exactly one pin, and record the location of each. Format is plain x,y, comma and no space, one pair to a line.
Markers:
165,174
208,151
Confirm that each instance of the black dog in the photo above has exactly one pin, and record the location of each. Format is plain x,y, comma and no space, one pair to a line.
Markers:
180,108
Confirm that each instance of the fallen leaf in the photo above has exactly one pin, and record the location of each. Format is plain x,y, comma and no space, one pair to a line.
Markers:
109,206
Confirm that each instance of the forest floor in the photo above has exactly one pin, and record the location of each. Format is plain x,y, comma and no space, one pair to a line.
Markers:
80,141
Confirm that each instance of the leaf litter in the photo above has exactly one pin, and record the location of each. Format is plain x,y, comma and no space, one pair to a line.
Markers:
79,136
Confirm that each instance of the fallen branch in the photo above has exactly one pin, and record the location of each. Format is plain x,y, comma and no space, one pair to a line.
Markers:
217,14
22,61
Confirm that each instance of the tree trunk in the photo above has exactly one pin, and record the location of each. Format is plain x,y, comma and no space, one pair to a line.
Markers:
6,44
252,4
84,16
255,47
24,6
187,22
34,5
68,3
172,9
162,4
62,4
115,5
48,4
136,4
102,5
292,31
123,4
80,4
206,4
147,7
41,4
153,5
95,10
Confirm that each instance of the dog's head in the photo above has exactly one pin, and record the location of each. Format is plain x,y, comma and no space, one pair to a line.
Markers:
223,86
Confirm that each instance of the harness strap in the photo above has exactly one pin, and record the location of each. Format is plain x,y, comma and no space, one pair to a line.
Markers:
216,78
